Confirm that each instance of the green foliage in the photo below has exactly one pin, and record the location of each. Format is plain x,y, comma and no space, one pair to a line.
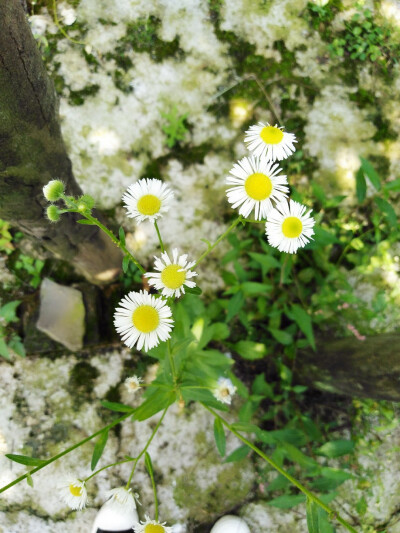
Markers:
364,38
175,127
10,341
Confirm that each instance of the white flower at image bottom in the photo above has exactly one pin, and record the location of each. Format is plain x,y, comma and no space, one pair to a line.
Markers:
147,199
224,390
289,227
152,526
256,183
269,141
143,319
172,275
118,513
74,493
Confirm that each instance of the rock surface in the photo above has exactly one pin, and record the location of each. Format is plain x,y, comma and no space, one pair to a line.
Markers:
62,314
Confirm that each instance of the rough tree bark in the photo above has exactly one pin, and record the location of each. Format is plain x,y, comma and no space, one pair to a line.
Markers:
32,152
363,369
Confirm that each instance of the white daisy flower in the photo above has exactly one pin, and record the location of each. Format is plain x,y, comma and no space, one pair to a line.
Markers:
289,227
133,383
147,199
151,526
143,320
172,275
270,141
256,182
74,493
224,390
118,513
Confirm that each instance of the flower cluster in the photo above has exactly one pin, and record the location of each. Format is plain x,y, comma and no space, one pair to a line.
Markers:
259,186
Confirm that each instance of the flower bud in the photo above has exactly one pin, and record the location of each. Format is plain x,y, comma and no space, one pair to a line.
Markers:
53,190
53,214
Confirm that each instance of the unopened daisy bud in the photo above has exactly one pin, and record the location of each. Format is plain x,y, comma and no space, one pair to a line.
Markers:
229,524
224,390
118,514
73,492
53,190
133,383
53,214
152,526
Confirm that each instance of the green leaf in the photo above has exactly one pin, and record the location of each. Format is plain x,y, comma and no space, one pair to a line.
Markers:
8,311
25,460
388,210
303,320
234,305
157,400
336,448
86,222
29,479
266,261
220,331
125,263
202,395
299,457
238,455
283,337
148,464
393,185
312,516
280,482
287,501
193,290
118,407
361,185
245,427
4,350
121,234
251,350
250,288
219,435
99,448
16,346
371,173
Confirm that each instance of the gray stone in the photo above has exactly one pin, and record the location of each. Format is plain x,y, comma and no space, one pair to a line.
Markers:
62,314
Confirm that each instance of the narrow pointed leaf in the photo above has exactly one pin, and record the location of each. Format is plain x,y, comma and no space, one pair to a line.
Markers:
312,516
99,448
25,460
219,435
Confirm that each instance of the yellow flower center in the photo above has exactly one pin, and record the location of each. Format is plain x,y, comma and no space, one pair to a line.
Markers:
292,227
271,135
171,278
148,204
75,491
258,186
145,318
224,392
154,528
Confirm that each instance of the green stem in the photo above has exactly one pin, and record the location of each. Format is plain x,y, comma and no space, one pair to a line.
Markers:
145,448
57,23
171,360
222,237
109,466
159,237
114,240
302,488
65,452
153,484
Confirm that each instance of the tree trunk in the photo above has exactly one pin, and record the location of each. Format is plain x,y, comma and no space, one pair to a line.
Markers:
32,152
364,369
